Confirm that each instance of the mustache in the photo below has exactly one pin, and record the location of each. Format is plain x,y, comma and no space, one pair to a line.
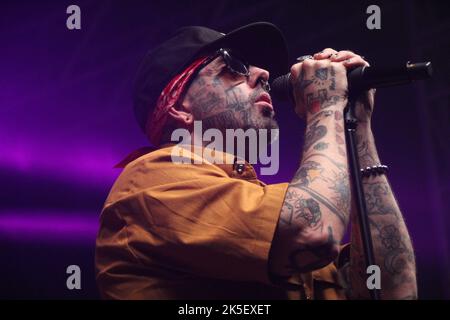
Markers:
255,94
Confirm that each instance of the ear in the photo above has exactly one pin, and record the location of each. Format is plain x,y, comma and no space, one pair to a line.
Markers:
184,118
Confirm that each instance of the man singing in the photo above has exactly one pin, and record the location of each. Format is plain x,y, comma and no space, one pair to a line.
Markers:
206,230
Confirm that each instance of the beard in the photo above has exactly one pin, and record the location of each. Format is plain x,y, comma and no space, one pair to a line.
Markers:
238,112
253,118
250,118
257,119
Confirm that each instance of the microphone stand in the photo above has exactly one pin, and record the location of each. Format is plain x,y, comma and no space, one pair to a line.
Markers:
381,77
351,124
362,78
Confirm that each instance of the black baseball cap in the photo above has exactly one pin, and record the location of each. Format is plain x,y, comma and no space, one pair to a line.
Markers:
261,44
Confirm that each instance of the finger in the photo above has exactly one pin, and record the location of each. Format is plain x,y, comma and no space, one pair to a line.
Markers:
325,63
338,67
305,69
296,70
343,55
356,61
348,55
303,58
324,54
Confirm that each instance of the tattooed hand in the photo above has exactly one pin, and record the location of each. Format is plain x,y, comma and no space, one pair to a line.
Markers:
318,85
316,210
350,60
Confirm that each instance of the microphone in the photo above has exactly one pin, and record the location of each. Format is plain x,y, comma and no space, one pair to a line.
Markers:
363,78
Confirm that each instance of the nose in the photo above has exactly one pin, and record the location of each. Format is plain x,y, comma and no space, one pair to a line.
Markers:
258,75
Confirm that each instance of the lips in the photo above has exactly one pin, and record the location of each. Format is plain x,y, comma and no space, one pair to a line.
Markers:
265,97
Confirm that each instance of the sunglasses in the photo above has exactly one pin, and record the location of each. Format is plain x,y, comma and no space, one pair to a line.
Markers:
232,61
235,65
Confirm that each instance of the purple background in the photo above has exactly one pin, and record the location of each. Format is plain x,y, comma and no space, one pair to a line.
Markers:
66,119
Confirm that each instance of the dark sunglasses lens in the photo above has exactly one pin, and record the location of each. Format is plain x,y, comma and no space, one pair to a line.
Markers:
235,64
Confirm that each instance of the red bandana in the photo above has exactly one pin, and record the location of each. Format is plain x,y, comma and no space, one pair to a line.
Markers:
168,98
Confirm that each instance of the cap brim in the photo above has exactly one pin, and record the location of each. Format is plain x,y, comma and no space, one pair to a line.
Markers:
261,43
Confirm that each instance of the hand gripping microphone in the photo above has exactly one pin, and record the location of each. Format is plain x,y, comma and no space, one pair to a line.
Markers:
363,78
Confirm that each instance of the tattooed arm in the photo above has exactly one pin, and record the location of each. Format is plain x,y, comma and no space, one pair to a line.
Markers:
392,245
316,208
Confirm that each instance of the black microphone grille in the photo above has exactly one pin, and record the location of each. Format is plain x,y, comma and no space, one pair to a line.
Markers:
419,70
281,88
